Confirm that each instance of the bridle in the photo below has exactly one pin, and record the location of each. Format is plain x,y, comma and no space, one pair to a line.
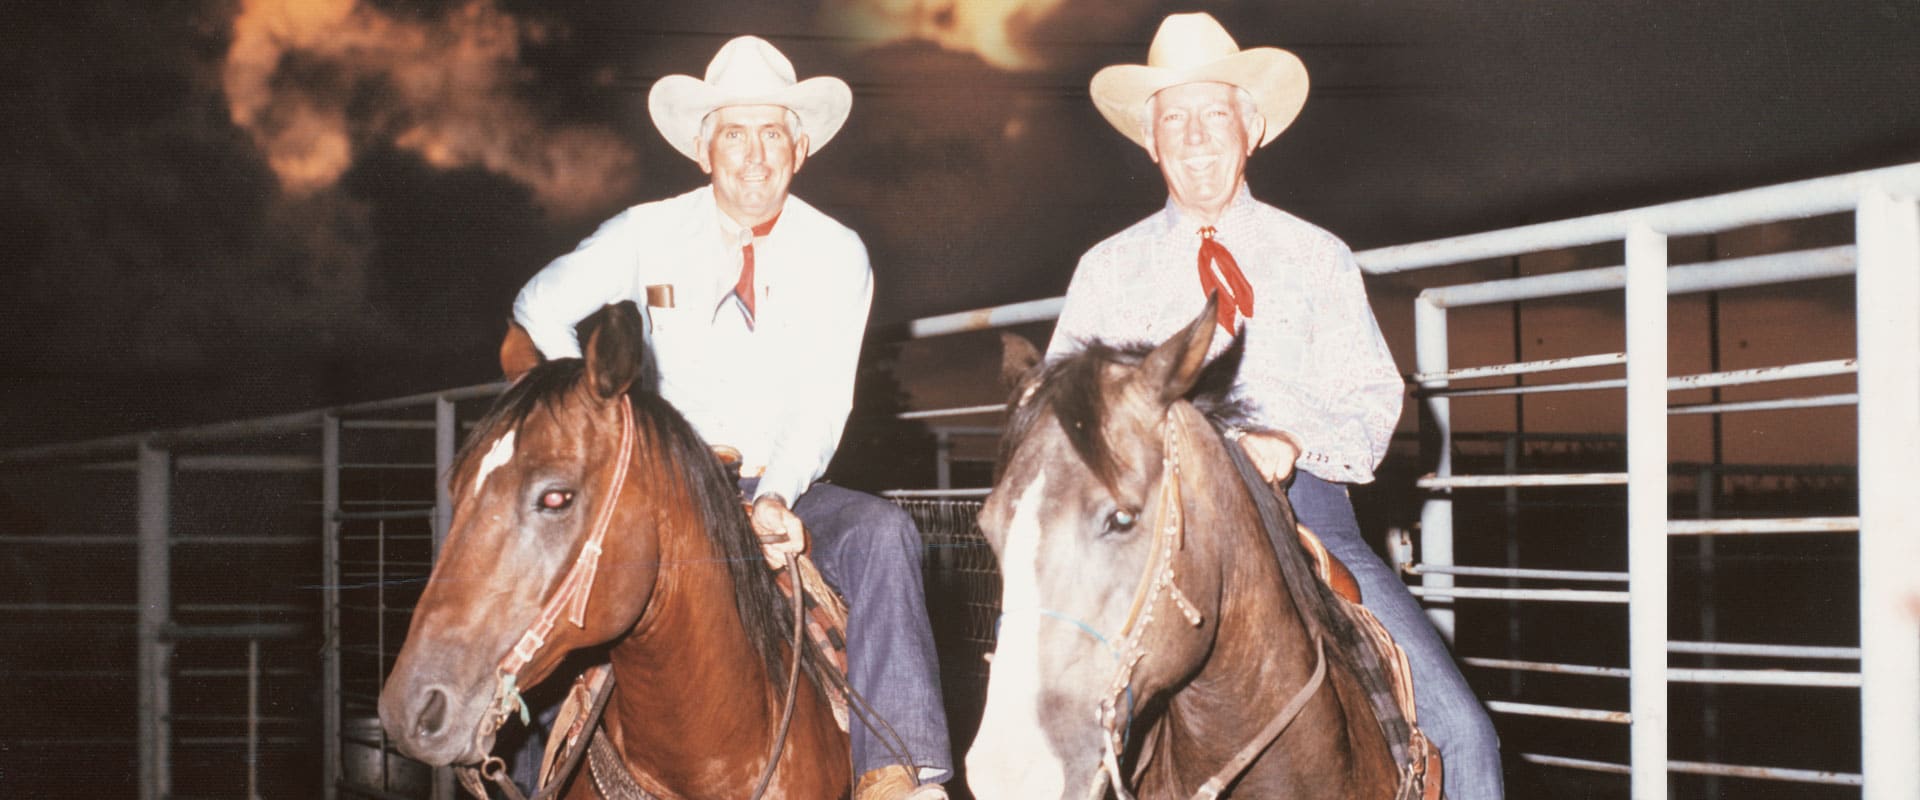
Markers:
1155,579
570,598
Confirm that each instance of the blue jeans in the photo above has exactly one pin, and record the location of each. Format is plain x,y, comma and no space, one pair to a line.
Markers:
1449,712
870,549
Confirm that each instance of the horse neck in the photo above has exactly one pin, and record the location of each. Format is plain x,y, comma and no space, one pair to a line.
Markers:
688,673
1263,650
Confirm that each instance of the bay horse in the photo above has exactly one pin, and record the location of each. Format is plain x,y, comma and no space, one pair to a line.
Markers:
587,513
1150,642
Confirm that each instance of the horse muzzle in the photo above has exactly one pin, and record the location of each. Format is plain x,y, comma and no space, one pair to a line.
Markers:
435,725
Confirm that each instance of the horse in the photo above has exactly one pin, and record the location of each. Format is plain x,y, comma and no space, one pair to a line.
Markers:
588,514
1152,642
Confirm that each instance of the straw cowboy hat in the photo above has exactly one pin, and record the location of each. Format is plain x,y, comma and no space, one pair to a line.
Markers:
747,72
1191,48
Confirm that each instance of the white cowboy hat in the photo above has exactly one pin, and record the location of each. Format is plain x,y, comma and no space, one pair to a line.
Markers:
747,72
1190,48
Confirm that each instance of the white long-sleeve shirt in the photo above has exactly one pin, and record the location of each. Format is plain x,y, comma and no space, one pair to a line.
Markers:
778,391
1315,365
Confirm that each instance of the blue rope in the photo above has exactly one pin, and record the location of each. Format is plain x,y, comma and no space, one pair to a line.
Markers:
1126,733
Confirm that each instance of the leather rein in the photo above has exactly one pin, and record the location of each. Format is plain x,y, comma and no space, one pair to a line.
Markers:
1156,578
570,598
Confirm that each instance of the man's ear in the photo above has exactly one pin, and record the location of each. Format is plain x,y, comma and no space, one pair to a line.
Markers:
517,353
701,157
1256,128
801,147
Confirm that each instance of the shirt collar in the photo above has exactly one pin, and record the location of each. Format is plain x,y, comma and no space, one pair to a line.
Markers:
1173,221
740,235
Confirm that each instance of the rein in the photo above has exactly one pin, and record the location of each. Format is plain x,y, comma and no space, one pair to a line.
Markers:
1170,535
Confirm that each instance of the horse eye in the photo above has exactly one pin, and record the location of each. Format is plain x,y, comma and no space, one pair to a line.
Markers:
1121,520
555,499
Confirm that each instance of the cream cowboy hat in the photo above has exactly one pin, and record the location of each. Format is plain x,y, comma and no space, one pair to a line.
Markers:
747,72
1190,48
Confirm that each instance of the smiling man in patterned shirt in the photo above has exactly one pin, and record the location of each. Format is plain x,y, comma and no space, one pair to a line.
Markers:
1321,390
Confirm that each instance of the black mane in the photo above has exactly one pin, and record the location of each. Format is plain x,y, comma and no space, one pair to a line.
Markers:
1069,387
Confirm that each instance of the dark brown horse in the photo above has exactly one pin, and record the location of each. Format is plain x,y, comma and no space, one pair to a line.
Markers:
1150,642
587,513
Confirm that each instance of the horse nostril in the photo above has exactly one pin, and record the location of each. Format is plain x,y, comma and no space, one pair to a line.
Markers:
433,714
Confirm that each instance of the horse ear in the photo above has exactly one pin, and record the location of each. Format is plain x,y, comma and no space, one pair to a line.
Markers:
517,353
1017,357
616,348
1171,369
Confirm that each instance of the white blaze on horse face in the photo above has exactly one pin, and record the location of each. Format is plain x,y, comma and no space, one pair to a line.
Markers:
1011,757
496,457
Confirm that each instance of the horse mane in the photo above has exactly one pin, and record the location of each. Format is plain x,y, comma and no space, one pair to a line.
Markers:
1069,387
763,609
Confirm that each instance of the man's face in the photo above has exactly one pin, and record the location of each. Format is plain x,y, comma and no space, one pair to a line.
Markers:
1201,138
751,156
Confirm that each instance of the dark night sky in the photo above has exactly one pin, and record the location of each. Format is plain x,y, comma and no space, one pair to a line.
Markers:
227,208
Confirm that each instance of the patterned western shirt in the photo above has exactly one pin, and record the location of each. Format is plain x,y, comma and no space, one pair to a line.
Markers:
1315,364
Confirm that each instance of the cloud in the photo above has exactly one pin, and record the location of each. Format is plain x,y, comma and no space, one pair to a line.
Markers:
316,82
994,29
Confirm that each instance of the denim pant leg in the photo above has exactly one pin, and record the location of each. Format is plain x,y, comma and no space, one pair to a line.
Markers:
870,549
1449,713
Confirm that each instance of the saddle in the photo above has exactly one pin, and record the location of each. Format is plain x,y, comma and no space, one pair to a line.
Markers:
1421,768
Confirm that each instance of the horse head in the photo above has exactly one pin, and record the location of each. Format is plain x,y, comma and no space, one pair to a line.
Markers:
523,576
1106,604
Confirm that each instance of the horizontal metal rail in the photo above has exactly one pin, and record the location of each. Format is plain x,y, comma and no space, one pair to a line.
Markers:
1431,481
1707,276
1541,595
1522,367
1746,677
1763,650
934,493
404,513
981,319
1830,195
1819,401
1559,712
1765,677
1705,527
958,411
1585,670
1678,383
1703,768
1788,372
257,426
1515,572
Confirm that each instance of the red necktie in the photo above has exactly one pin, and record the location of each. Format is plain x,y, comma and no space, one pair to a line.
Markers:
743,288
1236,295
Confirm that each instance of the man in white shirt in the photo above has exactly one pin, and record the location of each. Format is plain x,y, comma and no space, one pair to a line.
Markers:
757,303
1318,385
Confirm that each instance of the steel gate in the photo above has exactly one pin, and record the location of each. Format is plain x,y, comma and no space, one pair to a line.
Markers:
237,628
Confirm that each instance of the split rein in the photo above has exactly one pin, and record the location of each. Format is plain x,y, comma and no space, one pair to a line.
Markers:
1155,579
571,599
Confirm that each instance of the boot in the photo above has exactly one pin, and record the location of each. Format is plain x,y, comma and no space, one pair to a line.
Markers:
895,782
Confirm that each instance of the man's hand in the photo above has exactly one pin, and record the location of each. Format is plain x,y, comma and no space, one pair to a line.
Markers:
779,529
1273,454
